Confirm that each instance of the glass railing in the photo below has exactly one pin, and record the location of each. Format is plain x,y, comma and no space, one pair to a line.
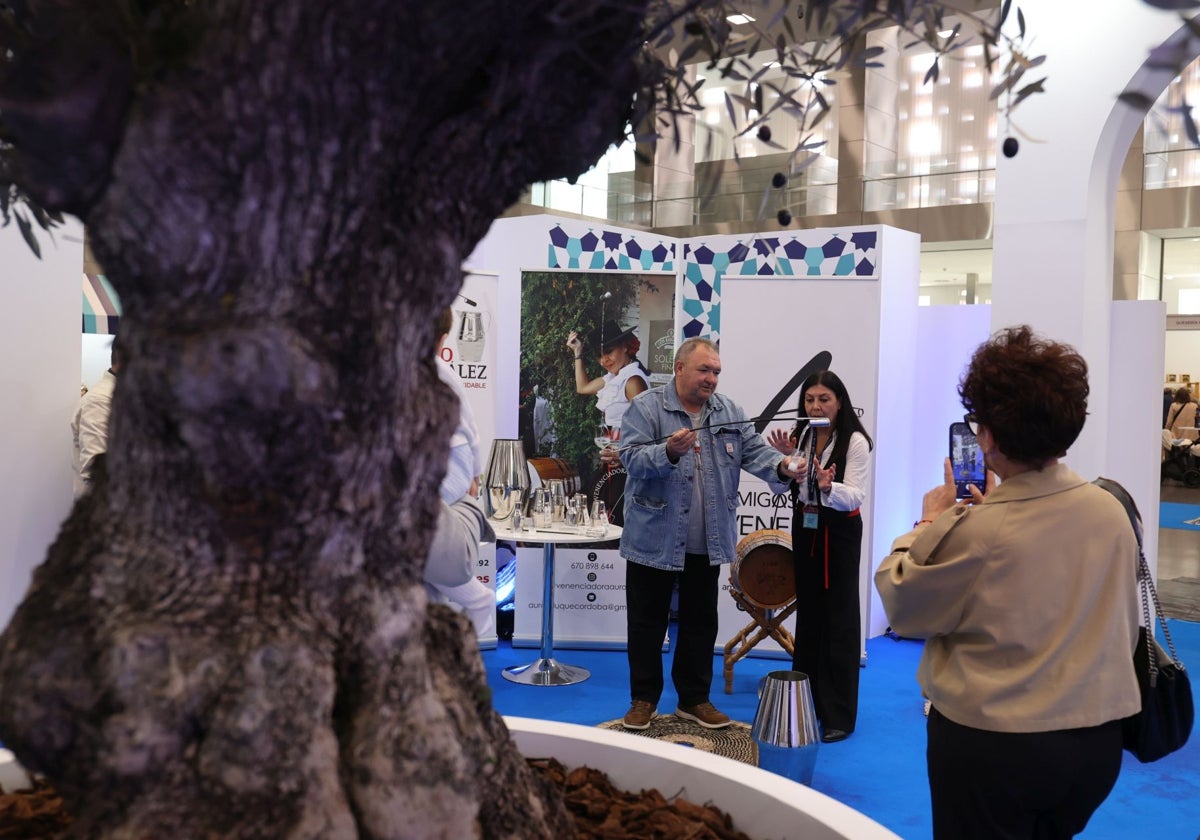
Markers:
815,200
941,189
680,206
1170,169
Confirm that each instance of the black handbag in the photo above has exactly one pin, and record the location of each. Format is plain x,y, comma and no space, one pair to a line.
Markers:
1165,721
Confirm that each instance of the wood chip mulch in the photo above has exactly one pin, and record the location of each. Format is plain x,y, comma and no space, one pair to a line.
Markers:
32,814
602,811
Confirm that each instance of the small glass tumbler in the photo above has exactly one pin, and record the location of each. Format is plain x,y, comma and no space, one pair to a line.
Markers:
558,499
598,527
581,500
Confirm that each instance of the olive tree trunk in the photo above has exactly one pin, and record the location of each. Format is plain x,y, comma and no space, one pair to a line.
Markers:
230,638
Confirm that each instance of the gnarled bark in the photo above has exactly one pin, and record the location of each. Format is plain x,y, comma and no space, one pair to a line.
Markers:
229,637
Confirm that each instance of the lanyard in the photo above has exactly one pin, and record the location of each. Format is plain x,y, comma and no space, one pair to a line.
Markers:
808,513
811,479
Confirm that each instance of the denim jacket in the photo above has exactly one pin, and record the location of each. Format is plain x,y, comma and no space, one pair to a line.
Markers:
658,493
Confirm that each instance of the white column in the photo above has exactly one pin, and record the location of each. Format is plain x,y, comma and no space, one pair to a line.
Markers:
1054,208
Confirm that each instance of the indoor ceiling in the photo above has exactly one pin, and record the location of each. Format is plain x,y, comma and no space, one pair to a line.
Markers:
950,268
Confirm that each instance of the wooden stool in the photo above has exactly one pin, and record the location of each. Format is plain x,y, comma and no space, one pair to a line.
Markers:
765,623
762,582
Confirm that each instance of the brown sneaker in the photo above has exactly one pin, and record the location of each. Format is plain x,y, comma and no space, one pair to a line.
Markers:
705,714
639,715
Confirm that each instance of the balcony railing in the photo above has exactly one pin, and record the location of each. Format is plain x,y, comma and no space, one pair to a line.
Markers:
745,197
1169,169
941,189
680,206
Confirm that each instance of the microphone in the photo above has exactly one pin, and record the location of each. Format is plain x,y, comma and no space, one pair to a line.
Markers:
793,460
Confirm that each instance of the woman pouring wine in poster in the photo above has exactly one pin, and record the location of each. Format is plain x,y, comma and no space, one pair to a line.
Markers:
625,377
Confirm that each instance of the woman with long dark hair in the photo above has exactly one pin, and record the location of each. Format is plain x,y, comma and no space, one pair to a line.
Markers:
827,546
1181,416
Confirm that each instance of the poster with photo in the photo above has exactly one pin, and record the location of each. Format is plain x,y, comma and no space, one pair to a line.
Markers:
558,425
560,428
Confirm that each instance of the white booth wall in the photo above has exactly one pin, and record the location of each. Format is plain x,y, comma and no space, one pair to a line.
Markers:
95,358
41,343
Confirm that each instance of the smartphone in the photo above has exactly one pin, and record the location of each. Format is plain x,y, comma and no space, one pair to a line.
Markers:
966,460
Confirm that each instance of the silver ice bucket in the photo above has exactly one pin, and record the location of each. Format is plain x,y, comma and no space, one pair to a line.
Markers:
785,726
506,482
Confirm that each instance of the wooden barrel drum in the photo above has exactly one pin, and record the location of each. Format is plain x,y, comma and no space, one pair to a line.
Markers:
763,570
548,468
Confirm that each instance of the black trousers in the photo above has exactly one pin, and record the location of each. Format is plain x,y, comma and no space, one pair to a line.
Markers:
828,646
648,606
1018,786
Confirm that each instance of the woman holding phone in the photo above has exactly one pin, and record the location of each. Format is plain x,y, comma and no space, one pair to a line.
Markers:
1027,601
827,547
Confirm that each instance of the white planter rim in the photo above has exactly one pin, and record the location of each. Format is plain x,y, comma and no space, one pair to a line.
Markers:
763,805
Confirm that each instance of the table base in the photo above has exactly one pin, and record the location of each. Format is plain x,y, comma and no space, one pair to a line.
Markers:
546,672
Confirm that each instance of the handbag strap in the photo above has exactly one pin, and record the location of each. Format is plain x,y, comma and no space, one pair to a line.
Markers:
1172,416
1145,581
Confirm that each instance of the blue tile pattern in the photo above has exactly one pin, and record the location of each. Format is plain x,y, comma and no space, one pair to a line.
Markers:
819,254
608,250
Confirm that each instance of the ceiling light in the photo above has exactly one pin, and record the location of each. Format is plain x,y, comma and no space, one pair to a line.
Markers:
738,20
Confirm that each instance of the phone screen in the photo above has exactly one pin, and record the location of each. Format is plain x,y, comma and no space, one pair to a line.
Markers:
966,460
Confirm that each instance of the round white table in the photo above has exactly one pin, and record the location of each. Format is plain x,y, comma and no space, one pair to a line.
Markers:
546,670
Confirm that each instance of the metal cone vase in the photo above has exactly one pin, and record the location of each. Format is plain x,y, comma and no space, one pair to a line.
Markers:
785,726
506,482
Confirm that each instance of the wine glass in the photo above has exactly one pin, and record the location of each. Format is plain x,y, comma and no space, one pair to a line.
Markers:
796,461
606,435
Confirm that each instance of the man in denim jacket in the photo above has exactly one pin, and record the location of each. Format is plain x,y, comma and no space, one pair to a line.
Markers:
684,447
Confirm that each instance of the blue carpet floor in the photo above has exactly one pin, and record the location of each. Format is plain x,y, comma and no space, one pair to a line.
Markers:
880,770
1177,515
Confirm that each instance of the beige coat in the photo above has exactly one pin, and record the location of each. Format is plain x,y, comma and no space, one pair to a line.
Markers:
89,429
1028,603
1180,417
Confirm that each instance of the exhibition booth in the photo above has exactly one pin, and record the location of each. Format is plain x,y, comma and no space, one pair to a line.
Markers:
780,304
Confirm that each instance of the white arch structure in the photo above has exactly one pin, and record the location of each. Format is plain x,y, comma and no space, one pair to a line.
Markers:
1055,216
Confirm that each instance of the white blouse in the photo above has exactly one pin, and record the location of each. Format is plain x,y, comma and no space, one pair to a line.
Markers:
849,493
611,398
